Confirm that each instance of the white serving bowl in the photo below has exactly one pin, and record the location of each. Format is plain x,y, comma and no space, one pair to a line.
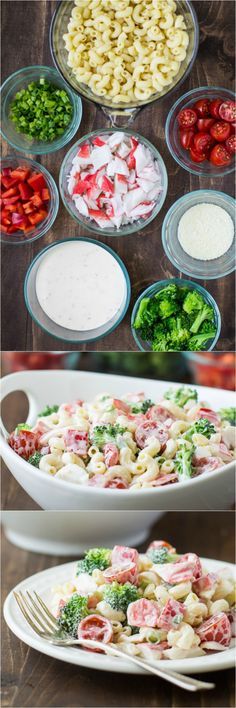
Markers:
213,490
73,532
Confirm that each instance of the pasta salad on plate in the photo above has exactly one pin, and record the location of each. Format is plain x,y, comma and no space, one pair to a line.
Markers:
128,443
158,604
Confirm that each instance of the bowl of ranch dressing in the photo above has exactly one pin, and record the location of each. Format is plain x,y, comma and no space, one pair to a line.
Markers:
77,290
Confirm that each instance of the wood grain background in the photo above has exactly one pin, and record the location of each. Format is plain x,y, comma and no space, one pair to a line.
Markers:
25,26
32,679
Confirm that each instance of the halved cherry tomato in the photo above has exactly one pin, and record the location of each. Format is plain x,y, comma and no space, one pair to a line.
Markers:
227,111
186,138
220,131
204,124
202,107
231,144
196,156
187,118
214,107
202,142
219,156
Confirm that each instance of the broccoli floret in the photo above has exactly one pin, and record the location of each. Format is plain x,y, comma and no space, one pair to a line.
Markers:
183,460
181,395
169,292
166,308
48,411
72,613
161,555
35,459
179,334
196,343
138,322
94,558
142,406
160,339
202,426
103,434
228,414
193,302
119,596
206,313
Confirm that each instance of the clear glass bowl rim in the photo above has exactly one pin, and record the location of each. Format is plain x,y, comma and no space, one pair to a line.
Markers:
54,189
124,271
170,213
136,226
186,96
155,287
72,128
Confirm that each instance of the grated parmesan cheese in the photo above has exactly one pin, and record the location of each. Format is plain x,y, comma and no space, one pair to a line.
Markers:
205,231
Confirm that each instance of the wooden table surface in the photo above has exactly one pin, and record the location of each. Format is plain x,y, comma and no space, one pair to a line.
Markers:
32,679
25,26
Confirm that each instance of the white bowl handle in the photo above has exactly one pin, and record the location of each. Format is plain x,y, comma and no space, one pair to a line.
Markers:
16,382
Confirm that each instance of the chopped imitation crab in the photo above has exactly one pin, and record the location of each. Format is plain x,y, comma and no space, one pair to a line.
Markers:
117,176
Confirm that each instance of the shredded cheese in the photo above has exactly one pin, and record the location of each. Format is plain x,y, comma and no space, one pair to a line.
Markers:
206,231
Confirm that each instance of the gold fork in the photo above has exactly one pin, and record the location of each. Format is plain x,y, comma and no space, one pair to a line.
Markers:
46,626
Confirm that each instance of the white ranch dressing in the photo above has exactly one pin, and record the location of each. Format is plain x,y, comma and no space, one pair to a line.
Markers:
206,231
80,285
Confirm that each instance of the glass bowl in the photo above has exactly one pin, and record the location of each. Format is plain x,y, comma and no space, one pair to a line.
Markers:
216,369
181,155
85,221
153,289
19,237
216,268
20,79
49,326
119,113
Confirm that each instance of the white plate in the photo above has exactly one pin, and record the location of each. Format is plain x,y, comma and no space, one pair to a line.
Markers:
43,583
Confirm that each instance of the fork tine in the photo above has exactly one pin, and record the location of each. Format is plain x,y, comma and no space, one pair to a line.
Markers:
32,612
46,610
41,615
26,615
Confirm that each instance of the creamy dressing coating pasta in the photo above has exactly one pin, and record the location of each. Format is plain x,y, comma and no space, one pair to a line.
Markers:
126,51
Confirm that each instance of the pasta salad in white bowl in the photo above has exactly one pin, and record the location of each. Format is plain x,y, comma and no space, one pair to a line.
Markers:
115,452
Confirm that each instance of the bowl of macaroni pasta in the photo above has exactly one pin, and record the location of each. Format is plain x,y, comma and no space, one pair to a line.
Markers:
125,56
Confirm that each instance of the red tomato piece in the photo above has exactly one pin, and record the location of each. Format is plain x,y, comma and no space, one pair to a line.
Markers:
161,414
161,544
10,200
172,610
11,192
220,131
204,124
143,613
23,442
219,156
209,414
206,464
111,454
123,573
124,554
116,483
45,195
215,629
76,441
151,428
186,138
165,479
97,628
231,144
214,107
227,111
36,201
8,182
202,106
196,156
187,118
202,142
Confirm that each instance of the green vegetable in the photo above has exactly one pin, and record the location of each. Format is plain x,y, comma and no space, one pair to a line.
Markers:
72,613
170,318
35,459
161,555
119,596
156,636
41,111
183,460
228,414
94,558
181,395
23,426
103,434
202,426
142,406
48,411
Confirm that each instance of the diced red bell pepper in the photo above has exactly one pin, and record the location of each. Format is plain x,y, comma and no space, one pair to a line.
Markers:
37,201
10,192
45,195
20,173
8,182
37,217
4,228
37,182
11,200
25,190
11,229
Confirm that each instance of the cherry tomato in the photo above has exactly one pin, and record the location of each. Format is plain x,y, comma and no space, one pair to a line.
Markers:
232,127
97,628
227,111
204,124
214,107
186,138
220,156
116,483
24,443
202,107
202,142
196,156
231,144
187,118
220,131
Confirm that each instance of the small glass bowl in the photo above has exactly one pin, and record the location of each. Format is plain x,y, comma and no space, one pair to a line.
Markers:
181,155
85,221
216,370
155,288
20,79
196,268
47,325
19,237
